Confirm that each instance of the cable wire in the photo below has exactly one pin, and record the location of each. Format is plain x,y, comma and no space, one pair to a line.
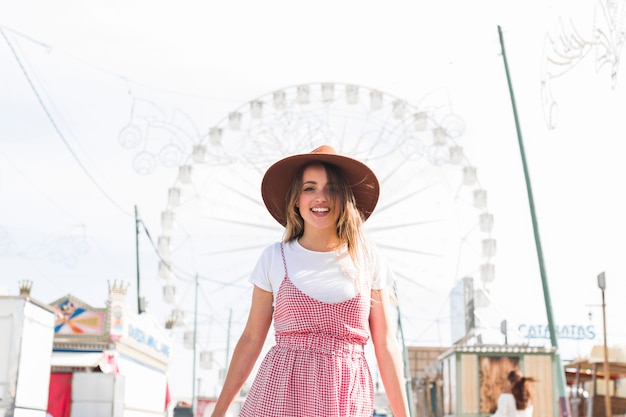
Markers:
56,127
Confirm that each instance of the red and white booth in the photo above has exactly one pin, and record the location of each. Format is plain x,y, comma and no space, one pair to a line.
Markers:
107,362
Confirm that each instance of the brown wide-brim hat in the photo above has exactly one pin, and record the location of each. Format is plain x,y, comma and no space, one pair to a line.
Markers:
279,176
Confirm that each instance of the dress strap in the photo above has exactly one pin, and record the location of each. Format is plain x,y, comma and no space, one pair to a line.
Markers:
282,252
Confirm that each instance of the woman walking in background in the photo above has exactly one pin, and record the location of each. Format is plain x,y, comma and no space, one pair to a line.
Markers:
521,393
514,401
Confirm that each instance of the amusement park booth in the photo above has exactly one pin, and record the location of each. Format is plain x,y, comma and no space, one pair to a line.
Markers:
107,362
26,334
473,377
588,387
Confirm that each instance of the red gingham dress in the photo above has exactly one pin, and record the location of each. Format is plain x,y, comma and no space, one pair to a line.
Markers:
317,368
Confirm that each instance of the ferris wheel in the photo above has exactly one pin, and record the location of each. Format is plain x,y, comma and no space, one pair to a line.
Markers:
431,224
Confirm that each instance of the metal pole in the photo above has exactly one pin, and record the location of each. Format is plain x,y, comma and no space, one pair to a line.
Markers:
607,370
563,405
137,259
407,368
230,317
195,335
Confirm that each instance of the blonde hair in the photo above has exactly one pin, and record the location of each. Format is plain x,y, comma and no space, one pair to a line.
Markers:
350,222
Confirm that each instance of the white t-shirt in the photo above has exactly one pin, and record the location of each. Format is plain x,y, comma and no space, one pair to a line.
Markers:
506,407
324,276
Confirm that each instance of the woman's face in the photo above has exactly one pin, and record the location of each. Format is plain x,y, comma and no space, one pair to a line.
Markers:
319,201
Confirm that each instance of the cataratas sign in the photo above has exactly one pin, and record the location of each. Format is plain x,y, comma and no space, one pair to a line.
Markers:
571,331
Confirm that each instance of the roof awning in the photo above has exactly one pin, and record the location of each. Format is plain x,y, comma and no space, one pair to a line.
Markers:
595,361
76,359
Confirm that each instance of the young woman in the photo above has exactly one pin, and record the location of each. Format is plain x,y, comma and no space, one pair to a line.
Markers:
325,292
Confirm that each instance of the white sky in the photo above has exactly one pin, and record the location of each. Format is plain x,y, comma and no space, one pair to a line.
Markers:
209,58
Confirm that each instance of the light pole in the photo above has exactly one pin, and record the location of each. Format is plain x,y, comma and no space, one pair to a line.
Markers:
137,223
195,339
563,403
607,371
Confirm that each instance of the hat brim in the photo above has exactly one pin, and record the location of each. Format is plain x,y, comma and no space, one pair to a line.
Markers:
279,176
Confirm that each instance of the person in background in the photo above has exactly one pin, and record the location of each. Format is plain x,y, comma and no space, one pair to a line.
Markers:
521,393
514,401
327,294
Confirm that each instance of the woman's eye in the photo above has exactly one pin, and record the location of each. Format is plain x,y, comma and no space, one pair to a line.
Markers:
308,189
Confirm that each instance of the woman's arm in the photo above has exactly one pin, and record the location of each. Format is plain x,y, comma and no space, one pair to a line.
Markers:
247,350
388,355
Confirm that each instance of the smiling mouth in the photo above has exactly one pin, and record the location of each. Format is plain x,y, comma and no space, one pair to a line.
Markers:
320,210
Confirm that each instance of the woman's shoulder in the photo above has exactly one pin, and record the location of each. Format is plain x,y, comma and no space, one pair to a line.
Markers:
507,396
275,249
269,252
